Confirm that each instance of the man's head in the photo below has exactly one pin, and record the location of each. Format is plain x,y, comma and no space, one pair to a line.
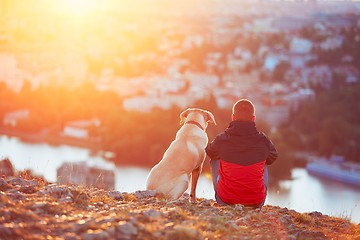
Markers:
243,110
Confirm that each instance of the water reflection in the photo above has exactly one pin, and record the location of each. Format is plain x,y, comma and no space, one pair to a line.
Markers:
308,193
44,159
305,193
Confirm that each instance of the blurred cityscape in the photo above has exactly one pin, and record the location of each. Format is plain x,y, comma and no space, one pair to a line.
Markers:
169,54
89,88
163,56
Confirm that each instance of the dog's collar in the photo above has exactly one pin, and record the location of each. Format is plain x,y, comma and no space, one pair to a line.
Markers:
196,124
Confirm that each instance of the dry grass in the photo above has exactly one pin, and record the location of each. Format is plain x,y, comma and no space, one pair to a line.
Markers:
27,175
304,218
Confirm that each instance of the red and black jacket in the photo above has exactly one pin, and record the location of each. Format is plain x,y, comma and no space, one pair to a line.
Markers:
243,152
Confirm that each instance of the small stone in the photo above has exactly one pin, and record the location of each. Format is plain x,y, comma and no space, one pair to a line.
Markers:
291,228
283,210
18,181
182,232
105,220
95,235
57,191
91,208
239,207
71,236
81,226
152,213
292,237
15,194
116,195
111,231
177,202
4,185
39,205
315,214
145,194
27,189
185,196
243,220
285,219
66,199
33,183
231,224
126,228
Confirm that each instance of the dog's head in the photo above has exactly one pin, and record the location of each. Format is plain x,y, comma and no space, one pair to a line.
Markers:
208,116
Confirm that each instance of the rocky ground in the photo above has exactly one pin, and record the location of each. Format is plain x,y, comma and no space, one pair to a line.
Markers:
34,209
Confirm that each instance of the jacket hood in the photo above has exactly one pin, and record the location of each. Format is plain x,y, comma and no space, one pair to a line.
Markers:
241,128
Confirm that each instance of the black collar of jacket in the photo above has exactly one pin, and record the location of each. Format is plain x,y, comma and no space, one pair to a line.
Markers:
242,128
196,124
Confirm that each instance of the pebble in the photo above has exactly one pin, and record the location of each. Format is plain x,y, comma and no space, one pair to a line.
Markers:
126,228
95,235
71,236
66,199
239,207
145,193
285,219
116,195
243,220
316,214
57,191
152,213
18,181
15,194
4,185
231,224
81,226
182,232
27,189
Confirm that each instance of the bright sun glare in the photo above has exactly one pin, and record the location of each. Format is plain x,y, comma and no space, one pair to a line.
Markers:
77,7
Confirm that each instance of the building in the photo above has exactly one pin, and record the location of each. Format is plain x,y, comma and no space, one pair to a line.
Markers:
80,129
300,46
12,118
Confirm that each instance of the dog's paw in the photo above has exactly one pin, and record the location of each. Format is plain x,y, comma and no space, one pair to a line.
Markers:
192,199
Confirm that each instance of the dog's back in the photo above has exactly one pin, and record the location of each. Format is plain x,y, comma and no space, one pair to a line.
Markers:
187,152
178,161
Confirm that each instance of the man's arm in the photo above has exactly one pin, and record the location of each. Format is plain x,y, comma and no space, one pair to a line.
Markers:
211,150
273,154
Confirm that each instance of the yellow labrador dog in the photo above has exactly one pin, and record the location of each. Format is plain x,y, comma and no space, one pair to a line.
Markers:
184,157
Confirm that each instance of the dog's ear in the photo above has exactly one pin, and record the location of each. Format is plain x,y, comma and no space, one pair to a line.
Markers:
210,117
184,115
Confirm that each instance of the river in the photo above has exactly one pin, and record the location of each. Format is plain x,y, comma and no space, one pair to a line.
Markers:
305,193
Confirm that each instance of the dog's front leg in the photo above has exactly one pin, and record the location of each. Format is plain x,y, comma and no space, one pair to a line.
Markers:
194,179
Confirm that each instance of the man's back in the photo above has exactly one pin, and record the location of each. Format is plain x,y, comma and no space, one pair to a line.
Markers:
243,152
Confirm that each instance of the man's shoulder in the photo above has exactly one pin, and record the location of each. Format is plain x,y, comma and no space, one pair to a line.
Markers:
222,136
262,134
265,138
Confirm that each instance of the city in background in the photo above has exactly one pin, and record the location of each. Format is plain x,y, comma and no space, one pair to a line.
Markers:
113,76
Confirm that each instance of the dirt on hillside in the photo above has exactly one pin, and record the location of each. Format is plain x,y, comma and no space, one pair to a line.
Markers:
34,209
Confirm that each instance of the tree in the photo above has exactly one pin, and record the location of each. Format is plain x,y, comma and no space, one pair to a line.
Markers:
328,125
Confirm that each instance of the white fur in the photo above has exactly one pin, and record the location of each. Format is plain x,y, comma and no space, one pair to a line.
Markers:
184,157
